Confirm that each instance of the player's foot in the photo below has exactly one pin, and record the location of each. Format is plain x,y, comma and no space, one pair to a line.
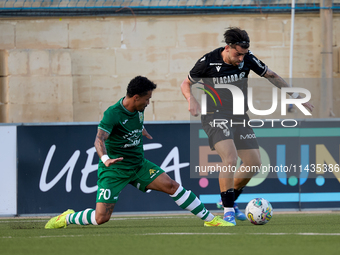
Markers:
230,217
238,214
58,221
218,222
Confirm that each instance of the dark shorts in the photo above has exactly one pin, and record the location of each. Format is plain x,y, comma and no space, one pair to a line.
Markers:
222,128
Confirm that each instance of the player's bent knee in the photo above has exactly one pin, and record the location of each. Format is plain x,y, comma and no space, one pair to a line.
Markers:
173,187
101,219
231,161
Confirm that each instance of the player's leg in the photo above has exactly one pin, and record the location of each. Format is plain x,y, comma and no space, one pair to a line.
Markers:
151,176
110,185
89,216
248,151
227,151
185,199
99,216
221,139
251,163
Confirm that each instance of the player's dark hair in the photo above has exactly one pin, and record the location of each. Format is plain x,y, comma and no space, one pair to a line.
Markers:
235,36
139,86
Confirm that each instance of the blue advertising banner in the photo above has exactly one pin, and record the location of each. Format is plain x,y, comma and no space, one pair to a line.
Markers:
57,167
303,165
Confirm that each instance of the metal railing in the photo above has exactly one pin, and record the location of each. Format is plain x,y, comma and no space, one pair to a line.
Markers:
159,6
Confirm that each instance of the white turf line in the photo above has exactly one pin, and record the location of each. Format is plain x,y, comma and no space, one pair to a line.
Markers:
162,217
179,234
269,234
130,218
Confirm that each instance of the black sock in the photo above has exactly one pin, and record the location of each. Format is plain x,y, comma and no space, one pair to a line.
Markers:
238,192
228,198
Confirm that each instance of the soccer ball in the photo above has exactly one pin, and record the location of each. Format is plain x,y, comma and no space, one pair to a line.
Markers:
259,211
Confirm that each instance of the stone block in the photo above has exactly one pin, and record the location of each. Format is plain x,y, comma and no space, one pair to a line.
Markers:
61,62
149,114
183,60
336,61
264,30
3,63
107,89
146,62
42,34
97,89
95,33
336,88
307,31
3,90
40,90
307,61
200,33
167,89
18,62
148,32
81,89
40,112
93,62
171,110
39,62
7,35
87,112
3,113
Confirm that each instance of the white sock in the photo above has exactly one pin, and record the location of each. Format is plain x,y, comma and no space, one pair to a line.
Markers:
228,209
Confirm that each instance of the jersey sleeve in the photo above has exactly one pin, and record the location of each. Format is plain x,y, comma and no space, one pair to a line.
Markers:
109,121
257,65
198,71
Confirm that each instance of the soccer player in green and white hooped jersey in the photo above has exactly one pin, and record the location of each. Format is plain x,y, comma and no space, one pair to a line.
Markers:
120,149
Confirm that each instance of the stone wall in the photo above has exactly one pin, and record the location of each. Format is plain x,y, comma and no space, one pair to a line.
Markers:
72,69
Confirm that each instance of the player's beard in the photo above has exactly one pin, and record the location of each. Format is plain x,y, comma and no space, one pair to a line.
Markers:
233,62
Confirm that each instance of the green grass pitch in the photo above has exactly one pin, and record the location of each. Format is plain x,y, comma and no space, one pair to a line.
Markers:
299,233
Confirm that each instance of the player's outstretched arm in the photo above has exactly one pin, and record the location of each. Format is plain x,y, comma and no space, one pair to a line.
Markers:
277,81
99,144
146,134
194,107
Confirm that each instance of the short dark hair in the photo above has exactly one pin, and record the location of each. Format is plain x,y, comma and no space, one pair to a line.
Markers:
139,86
235,36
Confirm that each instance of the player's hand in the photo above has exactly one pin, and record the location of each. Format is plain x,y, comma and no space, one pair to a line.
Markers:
146,134
309,106
194,106
112,161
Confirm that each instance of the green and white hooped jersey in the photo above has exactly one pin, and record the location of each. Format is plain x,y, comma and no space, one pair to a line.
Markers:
125,139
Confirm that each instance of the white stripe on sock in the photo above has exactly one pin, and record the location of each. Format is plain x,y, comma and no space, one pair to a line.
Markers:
194,204
76,220
93,218
85,217
183,198
179,190
210,217
68,218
